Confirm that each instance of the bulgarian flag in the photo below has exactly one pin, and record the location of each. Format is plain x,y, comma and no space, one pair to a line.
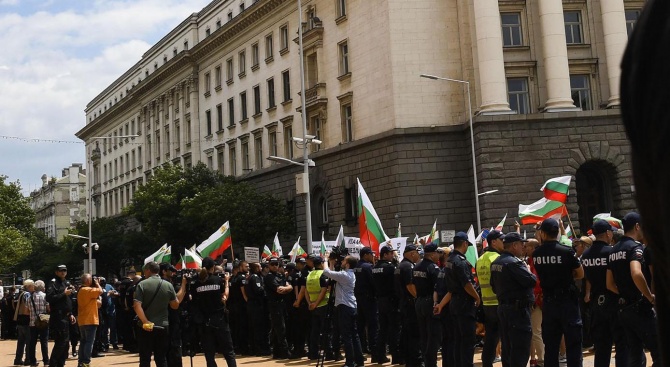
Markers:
297,251
500,225
180,265
191,259
217,243
162,255
540,210
471,252
371,230
399,232
322,248
610,219
276,246
557,188
266,252
568,231
339,241
433,233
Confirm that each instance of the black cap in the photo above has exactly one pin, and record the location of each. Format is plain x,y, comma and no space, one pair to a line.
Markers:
317,260
630,220
601,226
513,237
365,251
409,248
300,260
431,247
462,236
494,235
549,225
273,260
208,262
167,266
61,267
290,266
385,250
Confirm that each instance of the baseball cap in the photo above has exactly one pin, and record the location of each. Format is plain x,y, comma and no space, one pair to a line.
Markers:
462,236
630,220
431,247
208,262
365,251
167,266
300,260
385,250
61,267
494,235
601,226
317,260
273,260
513,237
409,248
549,225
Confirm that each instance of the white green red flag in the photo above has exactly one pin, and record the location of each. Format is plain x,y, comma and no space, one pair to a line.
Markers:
163,254
557,188
322,248
339,241
568,231
471,252
276,246
370,227
398,234
266,252
500,225
416,240
217,243
433,233
540,210
297,251
610,219
191,259
180,265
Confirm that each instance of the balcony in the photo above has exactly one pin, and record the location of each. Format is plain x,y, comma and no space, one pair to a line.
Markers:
315,96
312,34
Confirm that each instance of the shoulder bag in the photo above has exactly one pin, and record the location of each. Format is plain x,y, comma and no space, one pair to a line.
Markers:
145,307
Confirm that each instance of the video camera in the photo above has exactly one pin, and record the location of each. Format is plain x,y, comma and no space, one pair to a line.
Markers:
192,274
338,254
69,285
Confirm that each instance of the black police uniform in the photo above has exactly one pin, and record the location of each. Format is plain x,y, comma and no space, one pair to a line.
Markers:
447,332
637,315
303,317
257,309
387,310
513,285
296,325
646,267
215,331
605,326
174,353
459,272
278,314
238,314
59,320
424,278
366,318
409,350
554,264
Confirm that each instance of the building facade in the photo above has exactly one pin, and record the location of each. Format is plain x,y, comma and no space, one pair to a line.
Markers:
61,202
223,88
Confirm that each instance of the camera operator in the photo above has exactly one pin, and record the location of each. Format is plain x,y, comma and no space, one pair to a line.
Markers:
58,297
89,318
345,301
209,294
167,272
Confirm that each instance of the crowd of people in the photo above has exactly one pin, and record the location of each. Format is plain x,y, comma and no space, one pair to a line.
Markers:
538,301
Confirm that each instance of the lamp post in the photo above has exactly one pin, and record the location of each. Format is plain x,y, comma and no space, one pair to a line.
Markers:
472,140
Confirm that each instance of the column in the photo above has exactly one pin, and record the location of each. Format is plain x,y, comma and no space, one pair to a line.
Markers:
616,37
492,81
555,56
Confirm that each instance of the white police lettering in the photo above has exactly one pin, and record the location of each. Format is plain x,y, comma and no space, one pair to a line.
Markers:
207,288
496,267
548,260
377,270
600,261
619,255
420,274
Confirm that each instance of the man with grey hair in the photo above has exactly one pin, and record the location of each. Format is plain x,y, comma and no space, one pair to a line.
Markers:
38,306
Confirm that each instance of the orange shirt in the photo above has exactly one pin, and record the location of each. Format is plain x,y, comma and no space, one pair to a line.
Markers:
87,301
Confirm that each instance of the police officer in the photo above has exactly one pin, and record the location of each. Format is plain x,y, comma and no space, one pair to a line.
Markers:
605,326
424,279
409,350
558,267
174,353
464,301
513,284
387,305
489,300
442,297
368,325
257,308
276,289
625,278
58,297
238,308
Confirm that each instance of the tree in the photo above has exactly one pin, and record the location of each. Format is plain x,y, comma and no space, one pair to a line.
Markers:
16,225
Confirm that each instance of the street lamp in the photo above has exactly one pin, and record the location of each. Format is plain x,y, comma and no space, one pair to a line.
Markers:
472,140
487,192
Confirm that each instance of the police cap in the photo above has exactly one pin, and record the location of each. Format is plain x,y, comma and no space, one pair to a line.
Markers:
431,247
601,226
409,248
630,220
513,237
494,235
366,251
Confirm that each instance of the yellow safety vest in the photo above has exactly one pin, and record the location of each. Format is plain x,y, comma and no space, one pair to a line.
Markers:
484,276
314,287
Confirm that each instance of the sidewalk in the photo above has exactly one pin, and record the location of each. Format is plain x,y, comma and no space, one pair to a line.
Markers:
123,358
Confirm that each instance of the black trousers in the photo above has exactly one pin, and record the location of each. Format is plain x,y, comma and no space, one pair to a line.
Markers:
367,321
639,323
59,324
298,327
448,337
278,322
410,335
606,329
516,334
462,310
320,337
154,342
561,317
260,344
430,332
491,325
217,339
389,328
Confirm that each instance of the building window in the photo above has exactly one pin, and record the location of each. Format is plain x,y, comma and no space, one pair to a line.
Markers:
581,91
217,76
258,151
243,105
347,124
272,138
351,205
517,93
288,141
255,57
139,156
241,7
271,93
341,8
257,100
174,52
207,32
268,46
188,131
218,24
283,38
242,62
232,157
219,117
245,155
208,83
229,70
315,129
219,160
185,45
177,136
158,144
631,18
511,29
343,49
286,80
573,27
231,112
208,118
230,16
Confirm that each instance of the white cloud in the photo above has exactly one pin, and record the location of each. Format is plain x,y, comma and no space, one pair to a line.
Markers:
56,59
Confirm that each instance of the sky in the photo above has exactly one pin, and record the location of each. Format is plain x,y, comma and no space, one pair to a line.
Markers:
56,56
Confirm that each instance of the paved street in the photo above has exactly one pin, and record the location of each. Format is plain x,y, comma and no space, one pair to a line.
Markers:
122,358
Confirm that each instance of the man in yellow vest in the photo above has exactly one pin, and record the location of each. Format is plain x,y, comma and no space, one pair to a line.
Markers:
317,299
489,300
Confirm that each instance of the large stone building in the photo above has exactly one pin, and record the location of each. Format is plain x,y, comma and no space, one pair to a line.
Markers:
223,88
61,202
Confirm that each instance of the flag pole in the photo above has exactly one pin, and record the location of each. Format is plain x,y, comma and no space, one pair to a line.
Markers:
569,220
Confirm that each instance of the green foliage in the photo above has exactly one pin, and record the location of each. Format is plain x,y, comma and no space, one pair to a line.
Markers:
16,226
14,247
